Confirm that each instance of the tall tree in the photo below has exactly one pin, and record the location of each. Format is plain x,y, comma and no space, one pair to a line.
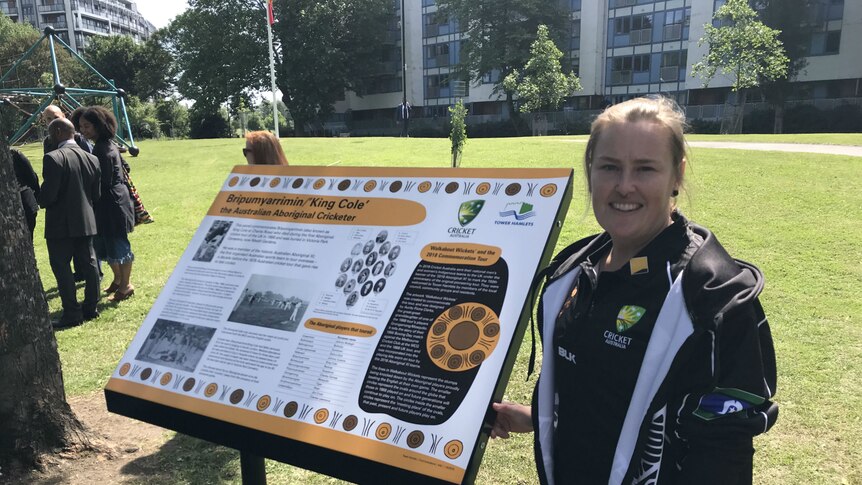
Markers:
742,48
220,46
791,18
34,416
541,85
500,32
325,47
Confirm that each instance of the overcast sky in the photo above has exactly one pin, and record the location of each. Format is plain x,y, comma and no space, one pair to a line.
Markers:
160,12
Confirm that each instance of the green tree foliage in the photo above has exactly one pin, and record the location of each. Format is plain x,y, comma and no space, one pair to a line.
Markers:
458,133
744,49
500,32
143,118
325,47
542,85
173,118
206,122
145,70
220,46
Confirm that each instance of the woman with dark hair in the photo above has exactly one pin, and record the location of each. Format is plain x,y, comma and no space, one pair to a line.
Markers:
115,217
263,148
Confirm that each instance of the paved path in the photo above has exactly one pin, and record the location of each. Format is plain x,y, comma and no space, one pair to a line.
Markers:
853,151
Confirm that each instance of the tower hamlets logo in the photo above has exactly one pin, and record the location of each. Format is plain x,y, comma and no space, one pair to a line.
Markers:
518,210
469,210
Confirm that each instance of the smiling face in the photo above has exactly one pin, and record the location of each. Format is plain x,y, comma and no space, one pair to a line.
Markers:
632,177
87,129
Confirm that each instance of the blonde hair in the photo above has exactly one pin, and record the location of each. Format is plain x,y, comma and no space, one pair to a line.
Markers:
659,110
265,148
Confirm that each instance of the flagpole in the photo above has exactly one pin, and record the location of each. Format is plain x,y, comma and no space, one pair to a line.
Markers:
269,22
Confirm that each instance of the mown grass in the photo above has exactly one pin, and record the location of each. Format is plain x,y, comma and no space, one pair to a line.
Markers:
798,217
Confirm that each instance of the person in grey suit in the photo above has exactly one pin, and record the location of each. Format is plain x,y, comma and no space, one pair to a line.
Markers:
70,185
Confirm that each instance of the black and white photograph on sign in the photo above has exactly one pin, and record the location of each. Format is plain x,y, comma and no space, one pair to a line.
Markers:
273,302
390,268
175,344
215,235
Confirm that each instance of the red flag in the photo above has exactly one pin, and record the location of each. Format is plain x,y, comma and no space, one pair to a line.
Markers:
269,13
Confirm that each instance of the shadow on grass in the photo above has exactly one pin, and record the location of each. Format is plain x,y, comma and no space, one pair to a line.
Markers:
184,459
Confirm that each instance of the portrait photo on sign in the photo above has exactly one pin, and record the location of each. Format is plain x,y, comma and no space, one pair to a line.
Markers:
175,344
273,302
216,234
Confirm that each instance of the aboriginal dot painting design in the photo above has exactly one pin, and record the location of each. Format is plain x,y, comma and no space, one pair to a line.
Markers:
321,416
383,431
463,336
483,188
166,378
211,389
125,368
263,403
548,190
453,449
513,188
290,409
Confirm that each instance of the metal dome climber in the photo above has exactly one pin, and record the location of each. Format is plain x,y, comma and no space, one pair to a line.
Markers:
65,96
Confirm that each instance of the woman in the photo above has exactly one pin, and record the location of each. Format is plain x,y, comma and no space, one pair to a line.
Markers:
262,148
115,216
658,363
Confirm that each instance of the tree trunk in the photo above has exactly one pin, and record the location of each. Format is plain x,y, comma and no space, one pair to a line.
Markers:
778,123
34,416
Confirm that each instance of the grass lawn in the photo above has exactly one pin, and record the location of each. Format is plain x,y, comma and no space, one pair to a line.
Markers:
791,215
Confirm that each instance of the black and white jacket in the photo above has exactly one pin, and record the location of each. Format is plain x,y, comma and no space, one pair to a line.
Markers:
707,377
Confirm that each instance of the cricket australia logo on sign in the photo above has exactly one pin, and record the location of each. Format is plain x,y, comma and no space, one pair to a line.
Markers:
466,213
469,210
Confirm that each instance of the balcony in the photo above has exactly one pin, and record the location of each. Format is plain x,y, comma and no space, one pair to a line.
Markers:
51,7
670,73
673,32
621,77
643,36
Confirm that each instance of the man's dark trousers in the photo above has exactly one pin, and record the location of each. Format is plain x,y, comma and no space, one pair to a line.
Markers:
61,252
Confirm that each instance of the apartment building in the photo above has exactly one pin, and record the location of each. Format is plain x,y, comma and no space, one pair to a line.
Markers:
77,20
619,48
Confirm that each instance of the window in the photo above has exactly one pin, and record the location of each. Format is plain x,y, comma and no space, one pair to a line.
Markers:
641,63
621,70
833,42
675,20
671,62
622,25
825,43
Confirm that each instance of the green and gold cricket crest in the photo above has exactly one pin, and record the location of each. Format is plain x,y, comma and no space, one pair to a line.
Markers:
629,315
469,210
